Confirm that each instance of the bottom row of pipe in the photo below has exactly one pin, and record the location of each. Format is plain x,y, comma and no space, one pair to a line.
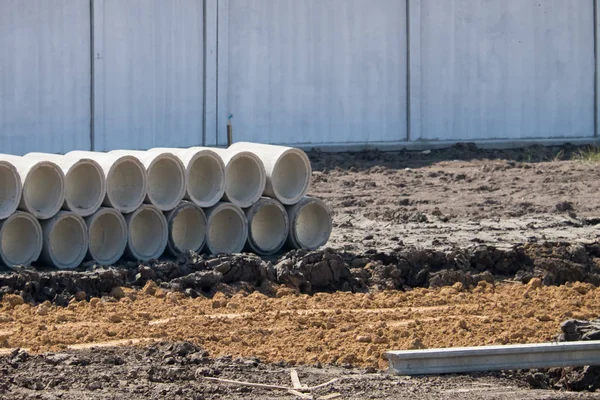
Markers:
66,240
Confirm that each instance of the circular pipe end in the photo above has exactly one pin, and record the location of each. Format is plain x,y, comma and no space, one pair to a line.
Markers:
85,187
268,226
291,176
310,224
65,240
205,178
107,232
227,229
166,181
187,229
10,189
20,239
147,233
245,179
44,190
126,184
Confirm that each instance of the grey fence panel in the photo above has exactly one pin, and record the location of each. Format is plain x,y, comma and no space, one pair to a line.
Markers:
45,84
313,71
503,69
148,73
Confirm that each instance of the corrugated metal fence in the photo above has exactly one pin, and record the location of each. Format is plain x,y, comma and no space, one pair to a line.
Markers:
106,74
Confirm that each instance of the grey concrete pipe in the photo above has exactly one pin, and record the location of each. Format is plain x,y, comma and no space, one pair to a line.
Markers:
20,239
187,228
166,177
147,233
84,182
205,174
288,170
126,179
65,240
43,191
107,232
227,229
268,226
310,224
245,177
10,189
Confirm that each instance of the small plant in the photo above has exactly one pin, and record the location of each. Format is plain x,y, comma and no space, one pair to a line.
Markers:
588,154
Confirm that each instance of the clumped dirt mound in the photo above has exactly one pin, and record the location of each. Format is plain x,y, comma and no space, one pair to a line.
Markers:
319,271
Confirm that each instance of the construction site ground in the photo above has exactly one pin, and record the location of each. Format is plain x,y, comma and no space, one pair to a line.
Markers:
537,206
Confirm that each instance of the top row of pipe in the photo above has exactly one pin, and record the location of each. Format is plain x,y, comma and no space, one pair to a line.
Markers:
82,181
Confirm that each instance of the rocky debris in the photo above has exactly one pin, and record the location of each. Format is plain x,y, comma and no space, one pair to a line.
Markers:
310,272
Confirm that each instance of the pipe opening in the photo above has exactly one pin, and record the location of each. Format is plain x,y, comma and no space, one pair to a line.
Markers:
268,228
21,241
165,183
205,181
84,187
226,231
188,230
125,185
290,177
10,188
244,181
42,191
67,242
147,234
313,226
108,236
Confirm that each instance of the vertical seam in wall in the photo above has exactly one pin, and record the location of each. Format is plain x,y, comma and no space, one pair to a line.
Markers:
217,79
408,70
92,133
596,65
204,72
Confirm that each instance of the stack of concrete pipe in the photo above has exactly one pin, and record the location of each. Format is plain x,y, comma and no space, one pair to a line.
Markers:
100,207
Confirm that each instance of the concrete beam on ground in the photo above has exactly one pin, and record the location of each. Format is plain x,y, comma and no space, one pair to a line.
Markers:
494,358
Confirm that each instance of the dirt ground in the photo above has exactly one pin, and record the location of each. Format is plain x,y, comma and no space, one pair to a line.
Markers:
452,247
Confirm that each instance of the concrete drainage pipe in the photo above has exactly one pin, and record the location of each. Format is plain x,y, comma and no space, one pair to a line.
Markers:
10,189
227,229
43,186
65,240
187,228
166,177
84,181
288,170
310,224
205,174
126,179
245,177
20,239
107,231
148,233
268,226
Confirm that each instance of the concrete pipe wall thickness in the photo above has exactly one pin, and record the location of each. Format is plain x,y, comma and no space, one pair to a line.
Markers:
205,174
43,191
126,179
310,224
245,177
107,232
85,184
166,177
268,226
288,170
147,233
10,188
227,228
65,240
187,228
20,239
